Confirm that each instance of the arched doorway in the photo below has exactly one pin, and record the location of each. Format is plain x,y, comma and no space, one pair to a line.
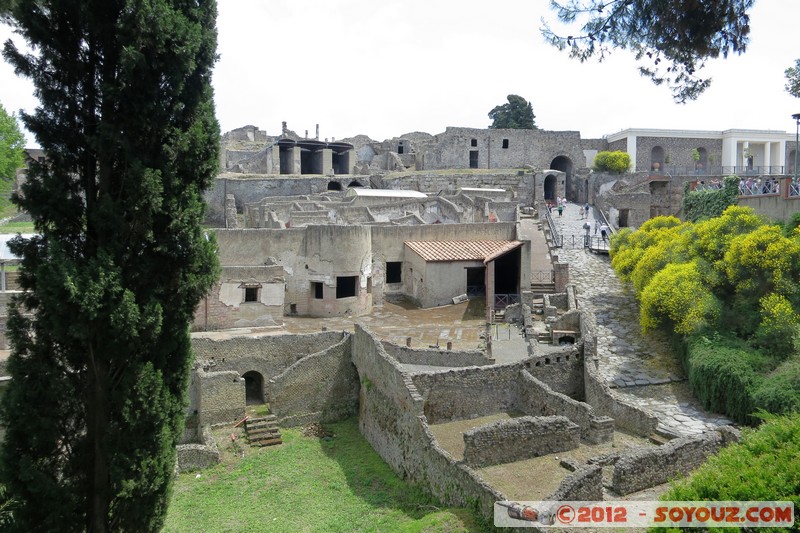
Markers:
354,183
334,186
564,164
253,388
550,188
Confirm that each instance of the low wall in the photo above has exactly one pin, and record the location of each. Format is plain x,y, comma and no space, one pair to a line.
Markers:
221,397
606,402
506,441
585,484
391,419
468,392
436,357
649,467
537,399
197,456
561,370
321,387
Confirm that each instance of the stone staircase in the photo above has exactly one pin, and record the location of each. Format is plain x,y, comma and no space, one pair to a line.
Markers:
263,431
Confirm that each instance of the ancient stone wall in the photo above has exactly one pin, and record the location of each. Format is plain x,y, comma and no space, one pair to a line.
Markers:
226,307
391,419
562,371
198,455
437,356
221,398
321,387
506,441
468,392
269,355
607,402
538,399
648,467
585,484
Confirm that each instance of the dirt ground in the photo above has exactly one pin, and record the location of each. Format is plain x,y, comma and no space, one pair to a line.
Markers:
530,479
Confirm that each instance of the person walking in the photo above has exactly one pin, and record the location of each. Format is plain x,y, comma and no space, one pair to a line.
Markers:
581,213
604,232
560,209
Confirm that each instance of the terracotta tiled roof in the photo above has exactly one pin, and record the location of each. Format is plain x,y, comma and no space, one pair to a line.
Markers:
461,250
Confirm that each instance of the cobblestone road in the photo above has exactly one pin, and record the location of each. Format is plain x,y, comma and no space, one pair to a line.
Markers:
641,367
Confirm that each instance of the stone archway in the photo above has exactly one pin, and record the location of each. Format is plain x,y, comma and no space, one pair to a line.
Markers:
550,182
334,186
354,183
253,388
564,164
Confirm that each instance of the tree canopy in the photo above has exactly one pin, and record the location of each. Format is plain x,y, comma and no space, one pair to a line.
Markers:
793,79
672,39
615,162
516,114
12,143
101,352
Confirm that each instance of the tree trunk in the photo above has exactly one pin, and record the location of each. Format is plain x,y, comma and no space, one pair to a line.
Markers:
97,423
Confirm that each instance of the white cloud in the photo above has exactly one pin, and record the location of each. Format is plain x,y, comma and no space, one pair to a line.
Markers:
387,68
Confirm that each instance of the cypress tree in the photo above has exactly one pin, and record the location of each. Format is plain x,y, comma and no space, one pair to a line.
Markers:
100,340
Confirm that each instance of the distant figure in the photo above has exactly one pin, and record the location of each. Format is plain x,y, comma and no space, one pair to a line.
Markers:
560,209
604,232
586,208
581,212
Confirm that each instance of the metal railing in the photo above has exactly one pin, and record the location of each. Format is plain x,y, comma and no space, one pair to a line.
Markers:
757,187
558,240
719,170
501,301
542,276
794,189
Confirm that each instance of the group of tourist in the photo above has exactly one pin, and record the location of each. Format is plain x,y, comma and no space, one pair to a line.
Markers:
752,186
561,203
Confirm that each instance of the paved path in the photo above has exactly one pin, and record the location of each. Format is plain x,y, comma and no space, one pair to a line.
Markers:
641,367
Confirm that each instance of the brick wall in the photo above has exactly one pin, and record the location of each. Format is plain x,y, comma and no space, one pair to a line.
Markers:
221,399
322,387
506,441
269,355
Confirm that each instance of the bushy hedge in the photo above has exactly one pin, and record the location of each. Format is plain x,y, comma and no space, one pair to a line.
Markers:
616,162
710,203
729,376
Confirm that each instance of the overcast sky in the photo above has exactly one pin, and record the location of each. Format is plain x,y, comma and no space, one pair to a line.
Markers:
388,68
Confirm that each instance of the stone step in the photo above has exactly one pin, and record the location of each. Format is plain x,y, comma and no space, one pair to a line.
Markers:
262,425
259,432
267,442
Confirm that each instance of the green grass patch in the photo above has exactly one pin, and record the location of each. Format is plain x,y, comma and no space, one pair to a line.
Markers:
17,227
307,484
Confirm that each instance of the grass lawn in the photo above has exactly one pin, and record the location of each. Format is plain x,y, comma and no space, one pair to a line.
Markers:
17,227
306,484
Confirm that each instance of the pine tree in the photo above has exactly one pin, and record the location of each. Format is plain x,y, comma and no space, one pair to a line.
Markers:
101,350
516,114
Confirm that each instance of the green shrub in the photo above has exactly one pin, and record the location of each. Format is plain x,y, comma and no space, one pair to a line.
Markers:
710,203
763,466
722,373
780,392
615,162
